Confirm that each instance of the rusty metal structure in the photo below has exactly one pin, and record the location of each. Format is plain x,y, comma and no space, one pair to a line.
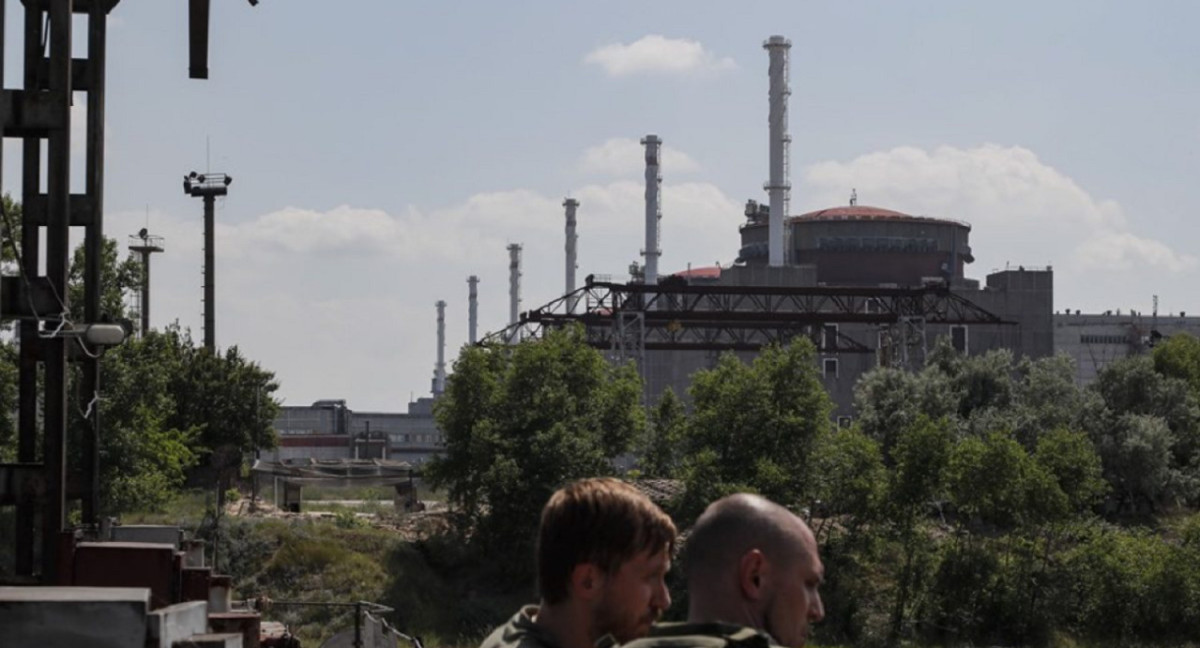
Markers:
632,318
52,331
40,112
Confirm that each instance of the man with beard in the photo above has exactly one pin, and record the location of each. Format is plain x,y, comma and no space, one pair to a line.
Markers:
753,574
603,551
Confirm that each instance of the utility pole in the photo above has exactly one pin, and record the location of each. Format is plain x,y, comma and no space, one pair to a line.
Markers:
208,186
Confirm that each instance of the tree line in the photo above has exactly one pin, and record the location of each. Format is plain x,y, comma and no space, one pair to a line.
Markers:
170,410
982,499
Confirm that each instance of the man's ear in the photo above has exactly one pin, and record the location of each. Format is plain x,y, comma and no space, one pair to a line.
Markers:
586,581
752,574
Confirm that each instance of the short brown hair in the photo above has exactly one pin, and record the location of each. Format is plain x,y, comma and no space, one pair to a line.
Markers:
602,521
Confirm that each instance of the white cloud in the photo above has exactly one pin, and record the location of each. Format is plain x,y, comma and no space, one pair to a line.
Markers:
624,156
1122,251
340,302
1022,211
655,54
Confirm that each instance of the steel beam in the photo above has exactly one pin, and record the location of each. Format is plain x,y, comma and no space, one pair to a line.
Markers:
94,252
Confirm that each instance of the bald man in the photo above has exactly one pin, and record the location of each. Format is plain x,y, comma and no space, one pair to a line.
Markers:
753,576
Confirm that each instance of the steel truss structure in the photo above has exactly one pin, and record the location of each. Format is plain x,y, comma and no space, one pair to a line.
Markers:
629,319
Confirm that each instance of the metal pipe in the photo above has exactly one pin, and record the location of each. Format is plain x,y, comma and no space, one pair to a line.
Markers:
514,283
439,370
653,208
27,403
94,244
210,290
778,187
473,309
571,204
145,292
58,260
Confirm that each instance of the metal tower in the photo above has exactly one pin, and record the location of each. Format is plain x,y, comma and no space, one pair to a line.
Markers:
145,244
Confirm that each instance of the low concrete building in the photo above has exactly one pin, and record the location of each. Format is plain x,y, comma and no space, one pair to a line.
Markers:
329,429
1095,341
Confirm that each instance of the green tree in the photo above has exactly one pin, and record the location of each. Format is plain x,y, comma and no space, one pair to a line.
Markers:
1179,357
917,483
1071,459
753,426
227,397
889,400
993,479
8,401
519,422
117,278
661,452
848,475
1143,413
1135,450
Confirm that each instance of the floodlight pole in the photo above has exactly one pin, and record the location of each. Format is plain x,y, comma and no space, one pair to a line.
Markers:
208,186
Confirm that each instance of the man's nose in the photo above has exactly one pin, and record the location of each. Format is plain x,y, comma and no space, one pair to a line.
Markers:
816,611
663,598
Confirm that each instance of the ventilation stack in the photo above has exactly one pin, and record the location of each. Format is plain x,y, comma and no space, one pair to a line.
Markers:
473,309
571,204
653,208
514,286
439,370
778,187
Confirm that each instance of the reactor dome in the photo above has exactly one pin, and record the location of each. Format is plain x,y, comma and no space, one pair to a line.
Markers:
857,245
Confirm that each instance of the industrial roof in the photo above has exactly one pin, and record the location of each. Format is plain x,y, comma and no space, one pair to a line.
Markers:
708,272
866,212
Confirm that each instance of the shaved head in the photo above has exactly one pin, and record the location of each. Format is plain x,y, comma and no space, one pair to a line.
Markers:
732,526
751,561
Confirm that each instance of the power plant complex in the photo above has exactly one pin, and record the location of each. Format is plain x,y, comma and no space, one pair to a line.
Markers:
869,286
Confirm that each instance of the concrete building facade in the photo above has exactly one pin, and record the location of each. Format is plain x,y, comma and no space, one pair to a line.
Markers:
329,429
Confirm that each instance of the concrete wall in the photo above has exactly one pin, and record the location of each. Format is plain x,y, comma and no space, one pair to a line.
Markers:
68,617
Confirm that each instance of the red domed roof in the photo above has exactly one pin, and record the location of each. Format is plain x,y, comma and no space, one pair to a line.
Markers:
708,272
866,212
854,212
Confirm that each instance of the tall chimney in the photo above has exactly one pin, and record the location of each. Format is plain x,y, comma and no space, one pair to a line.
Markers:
778,187
514,283
472,309
439,370
653,208
571,204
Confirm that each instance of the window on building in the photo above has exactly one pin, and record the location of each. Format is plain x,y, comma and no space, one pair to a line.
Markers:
829,367
958,338
844,422
829,336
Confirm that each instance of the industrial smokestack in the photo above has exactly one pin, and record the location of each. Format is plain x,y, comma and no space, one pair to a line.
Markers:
439,370
653,208
571,204
778,187
472,309
514,283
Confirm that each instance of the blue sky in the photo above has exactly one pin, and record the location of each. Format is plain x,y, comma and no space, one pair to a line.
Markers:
383,151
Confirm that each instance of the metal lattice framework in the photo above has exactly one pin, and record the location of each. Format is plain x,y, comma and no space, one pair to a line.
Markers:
632,318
